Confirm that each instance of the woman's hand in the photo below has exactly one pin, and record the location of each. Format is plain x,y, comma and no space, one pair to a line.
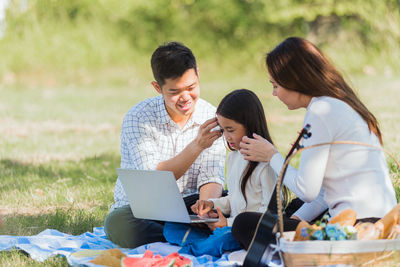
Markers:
202,207
294,217
257,149
222,221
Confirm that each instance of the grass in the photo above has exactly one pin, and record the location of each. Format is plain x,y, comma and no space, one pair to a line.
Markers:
59,144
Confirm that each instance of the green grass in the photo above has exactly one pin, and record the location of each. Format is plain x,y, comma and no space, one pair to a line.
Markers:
59,144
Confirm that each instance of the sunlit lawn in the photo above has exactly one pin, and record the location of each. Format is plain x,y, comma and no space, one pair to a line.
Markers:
59,146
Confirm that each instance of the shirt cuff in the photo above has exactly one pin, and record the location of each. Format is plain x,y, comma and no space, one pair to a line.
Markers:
229,221
277,162
214,201
309,211
220,203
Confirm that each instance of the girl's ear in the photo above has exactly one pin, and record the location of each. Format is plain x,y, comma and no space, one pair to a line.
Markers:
249,135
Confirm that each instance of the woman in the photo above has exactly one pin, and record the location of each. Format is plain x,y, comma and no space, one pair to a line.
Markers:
333,177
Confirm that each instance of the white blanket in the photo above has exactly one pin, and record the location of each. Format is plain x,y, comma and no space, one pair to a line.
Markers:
80,249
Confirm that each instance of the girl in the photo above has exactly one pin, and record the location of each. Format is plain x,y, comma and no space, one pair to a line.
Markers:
250,183
336,177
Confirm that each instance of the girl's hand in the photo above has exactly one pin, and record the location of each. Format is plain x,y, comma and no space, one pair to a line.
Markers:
202,207
257,149
222,222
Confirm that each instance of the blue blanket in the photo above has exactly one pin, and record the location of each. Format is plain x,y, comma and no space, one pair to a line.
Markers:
80,249
198,241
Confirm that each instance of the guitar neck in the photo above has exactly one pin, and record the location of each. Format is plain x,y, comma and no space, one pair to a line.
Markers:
305,133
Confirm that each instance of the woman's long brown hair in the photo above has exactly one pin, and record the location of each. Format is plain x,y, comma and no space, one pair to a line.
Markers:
298,65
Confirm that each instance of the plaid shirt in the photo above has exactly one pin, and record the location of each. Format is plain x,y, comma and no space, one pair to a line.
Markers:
149,136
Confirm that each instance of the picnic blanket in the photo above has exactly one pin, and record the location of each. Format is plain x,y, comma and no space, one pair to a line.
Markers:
80,249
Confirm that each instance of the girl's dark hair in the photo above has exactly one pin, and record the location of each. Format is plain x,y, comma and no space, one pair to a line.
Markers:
298,65
244,107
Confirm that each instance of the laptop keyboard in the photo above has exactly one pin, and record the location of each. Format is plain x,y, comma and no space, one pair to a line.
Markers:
196,218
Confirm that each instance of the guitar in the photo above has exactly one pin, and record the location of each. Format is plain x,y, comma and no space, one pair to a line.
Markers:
264,230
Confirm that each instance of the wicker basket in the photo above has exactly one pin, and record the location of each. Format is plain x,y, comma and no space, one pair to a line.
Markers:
382,252
350,252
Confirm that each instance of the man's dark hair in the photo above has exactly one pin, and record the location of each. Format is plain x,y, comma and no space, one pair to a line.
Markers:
170,61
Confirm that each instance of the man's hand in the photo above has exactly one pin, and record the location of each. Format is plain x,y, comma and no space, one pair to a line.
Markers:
257,149
205,137
222,222
182,162
202,207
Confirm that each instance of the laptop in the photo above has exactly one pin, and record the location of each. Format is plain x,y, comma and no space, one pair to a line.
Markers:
154,195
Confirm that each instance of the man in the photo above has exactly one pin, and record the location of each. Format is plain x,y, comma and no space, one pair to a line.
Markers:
173,132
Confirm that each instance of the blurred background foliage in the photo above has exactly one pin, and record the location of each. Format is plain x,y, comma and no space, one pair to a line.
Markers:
74,36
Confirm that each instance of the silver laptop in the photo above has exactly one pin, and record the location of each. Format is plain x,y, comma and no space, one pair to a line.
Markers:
154,195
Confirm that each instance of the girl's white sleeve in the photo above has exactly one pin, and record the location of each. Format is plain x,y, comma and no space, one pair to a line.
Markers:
306,182
268,179
223,203
229,221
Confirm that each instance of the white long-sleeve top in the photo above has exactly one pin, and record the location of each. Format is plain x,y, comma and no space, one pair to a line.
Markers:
259,187
339,177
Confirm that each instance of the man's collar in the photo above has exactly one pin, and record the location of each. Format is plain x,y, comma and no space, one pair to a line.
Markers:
197,117
163,117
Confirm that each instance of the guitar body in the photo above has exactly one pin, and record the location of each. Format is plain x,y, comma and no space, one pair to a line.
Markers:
261,240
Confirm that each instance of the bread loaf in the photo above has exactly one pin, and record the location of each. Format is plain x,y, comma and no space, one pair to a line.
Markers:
346,217
388,221
367,231
109,257
298,236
